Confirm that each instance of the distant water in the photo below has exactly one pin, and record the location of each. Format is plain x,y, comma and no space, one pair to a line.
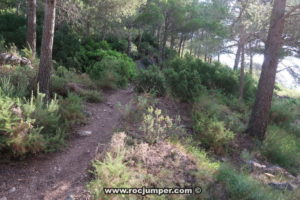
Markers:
283,77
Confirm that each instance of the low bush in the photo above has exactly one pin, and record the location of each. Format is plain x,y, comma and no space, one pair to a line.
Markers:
118,68
282,148
212,133
283,112
91,96
152,81
240,186
184,80
158,127
71,110
187,76
18,80
112,172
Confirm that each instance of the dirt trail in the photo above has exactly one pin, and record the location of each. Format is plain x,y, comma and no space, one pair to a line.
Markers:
58,175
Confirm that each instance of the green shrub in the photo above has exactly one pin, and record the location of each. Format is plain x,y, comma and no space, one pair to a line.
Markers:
17,81
212,133
151,80
283,112
13,28
91,96
239,186
184,83
185,77
58,85
71,109
120,68
282,148
158,127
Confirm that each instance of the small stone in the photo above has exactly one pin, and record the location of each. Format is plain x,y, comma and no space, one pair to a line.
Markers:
3,198
255,165
85,133
12,190
88,113
70,197
275,170
269,175
283,186
110,105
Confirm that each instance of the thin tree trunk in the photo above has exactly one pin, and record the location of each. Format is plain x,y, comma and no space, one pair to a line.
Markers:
260,113
180,44
129,42
237,57
31,25
218,57
251,59
182,49
47,47
140,38
172,41
242,74
191,46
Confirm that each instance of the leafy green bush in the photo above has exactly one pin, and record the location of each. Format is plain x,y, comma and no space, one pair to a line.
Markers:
158,127
18,80
240,186
71,110
66,45
119,68
282,148
151,80
13,28
184,80
211,132
185,77
283,112
91,96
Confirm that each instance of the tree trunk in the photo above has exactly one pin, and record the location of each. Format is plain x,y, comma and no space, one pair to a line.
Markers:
180,44
31,25
47,47
251,59
260,113
191,46
129,40
218,57
242,74
237,57
172,41
140,38
182,49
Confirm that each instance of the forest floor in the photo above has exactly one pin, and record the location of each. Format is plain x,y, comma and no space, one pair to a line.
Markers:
63,174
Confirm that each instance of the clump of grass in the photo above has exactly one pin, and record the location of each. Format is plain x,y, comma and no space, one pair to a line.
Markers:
91,96
282,148
240,186
283,112
112,172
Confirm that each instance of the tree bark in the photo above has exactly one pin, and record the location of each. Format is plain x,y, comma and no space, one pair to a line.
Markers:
47,47
31,25
237,57
180,44
129,40
260,113
251,59
242,74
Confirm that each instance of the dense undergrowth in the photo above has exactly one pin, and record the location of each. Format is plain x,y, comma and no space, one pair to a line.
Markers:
161,151
31,123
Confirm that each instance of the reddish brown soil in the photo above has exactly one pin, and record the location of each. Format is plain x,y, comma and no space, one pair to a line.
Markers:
57,175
